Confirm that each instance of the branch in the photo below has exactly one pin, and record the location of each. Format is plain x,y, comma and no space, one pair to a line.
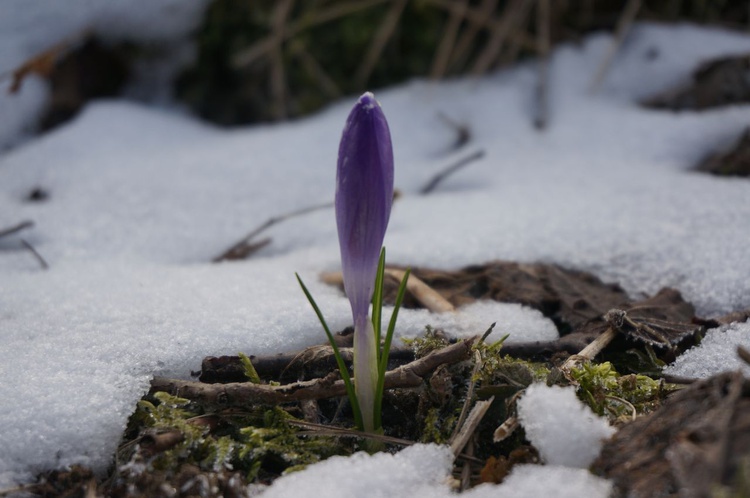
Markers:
432,184
220,396
16,228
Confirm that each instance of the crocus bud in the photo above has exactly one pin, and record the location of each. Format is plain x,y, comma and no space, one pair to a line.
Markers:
364,194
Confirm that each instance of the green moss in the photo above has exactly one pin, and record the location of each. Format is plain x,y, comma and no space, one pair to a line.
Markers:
608,393
424,345
259,441
502,369
437,428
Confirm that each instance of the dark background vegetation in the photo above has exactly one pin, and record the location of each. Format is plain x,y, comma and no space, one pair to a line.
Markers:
270,60
275,59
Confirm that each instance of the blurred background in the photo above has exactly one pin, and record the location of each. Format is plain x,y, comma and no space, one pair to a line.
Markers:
233,62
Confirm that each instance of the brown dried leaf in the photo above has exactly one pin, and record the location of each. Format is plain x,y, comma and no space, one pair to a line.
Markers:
497,469
41,65
663,320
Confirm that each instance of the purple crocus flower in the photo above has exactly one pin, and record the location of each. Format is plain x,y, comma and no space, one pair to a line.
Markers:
364,194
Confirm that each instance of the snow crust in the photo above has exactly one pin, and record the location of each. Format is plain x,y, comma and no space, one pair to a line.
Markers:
717,353
141,199
564,430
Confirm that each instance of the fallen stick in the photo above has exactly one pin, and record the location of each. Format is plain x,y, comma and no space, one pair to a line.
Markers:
220,396
426,295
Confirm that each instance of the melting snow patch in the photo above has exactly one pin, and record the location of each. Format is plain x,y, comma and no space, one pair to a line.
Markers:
420,470
564,430
717,353
521,323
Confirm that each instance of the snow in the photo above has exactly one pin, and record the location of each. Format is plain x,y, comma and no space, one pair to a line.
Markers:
564,430
716,353
424,469
533,481
141,199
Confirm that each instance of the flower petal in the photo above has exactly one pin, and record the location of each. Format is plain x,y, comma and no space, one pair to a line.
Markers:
364,194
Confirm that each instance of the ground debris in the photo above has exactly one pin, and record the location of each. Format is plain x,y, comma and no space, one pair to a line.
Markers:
735,162
696,443
568,297
664,320
717,82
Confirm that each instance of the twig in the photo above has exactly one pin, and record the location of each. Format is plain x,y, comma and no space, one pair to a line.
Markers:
623,26
543,48
477,19
513,14
430,186
16,228
242,248
590,351
328,430
423,293
38,256
634,412
472,422
463,132
316,71
220,396
379,40
278,78
478,364
254,52
429,297
448,41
